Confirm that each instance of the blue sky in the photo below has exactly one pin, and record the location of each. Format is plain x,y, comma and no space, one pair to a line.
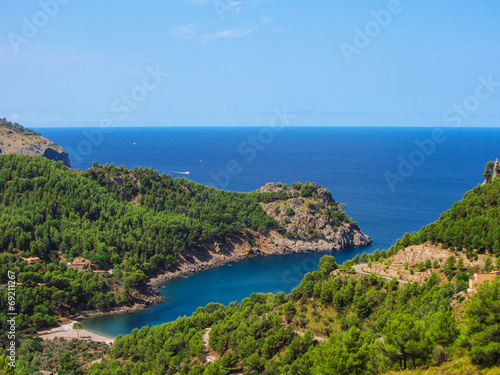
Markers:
232,62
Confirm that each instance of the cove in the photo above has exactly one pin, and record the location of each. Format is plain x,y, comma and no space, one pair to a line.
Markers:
224,284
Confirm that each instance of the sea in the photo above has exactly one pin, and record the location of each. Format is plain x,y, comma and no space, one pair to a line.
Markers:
392,180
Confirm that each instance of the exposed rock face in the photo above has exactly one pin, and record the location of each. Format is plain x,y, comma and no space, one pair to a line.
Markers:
310,218
52,154
16,139
496,170
327,236
495,173
394,272
239,248
420,254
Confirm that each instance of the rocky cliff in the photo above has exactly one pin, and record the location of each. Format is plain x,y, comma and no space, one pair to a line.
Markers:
311,222
312,218
16,139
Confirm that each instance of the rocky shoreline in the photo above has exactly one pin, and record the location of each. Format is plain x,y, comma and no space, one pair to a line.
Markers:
271,244
216,255
15,139
115,310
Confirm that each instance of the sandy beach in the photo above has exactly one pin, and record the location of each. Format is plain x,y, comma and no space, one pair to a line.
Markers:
66,331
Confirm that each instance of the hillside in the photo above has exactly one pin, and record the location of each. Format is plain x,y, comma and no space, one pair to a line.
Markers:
16,139
333,323
130,225
472,225
338,321
463,241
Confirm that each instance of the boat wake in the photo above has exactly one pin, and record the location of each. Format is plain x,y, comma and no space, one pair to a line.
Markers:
187,172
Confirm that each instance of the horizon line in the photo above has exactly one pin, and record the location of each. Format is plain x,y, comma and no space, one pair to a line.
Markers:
265,126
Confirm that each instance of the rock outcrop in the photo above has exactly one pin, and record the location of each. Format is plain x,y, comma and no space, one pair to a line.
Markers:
420,253
308,229
16,139
492,172
496,170
394,267
312,219
52,154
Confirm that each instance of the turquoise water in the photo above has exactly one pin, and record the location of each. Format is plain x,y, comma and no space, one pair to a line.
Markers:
229,282
353,163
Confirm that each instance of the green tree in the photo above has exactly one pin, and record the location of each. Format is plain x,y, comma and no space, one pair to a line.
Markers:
346,354
449,265
289,311
488,264
405,339
481,328
68,362
5,368
488,171
215,368
253,363
327,264
78,326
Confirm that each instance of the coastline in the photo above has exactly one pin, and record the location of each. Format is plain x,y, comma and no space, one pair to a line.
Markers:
191,262
66,331
64,327
307,230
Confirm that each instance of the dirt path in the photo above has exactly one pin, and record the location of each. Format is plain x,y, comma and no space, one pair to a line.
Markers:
66,331
317,338
208,352
359,269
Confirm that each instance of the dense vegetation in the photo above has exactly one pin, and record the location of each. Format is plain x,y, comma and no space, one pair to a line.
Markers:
374,325
51,289
471,225
334,322
15,127
56,214
67,356
132,222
